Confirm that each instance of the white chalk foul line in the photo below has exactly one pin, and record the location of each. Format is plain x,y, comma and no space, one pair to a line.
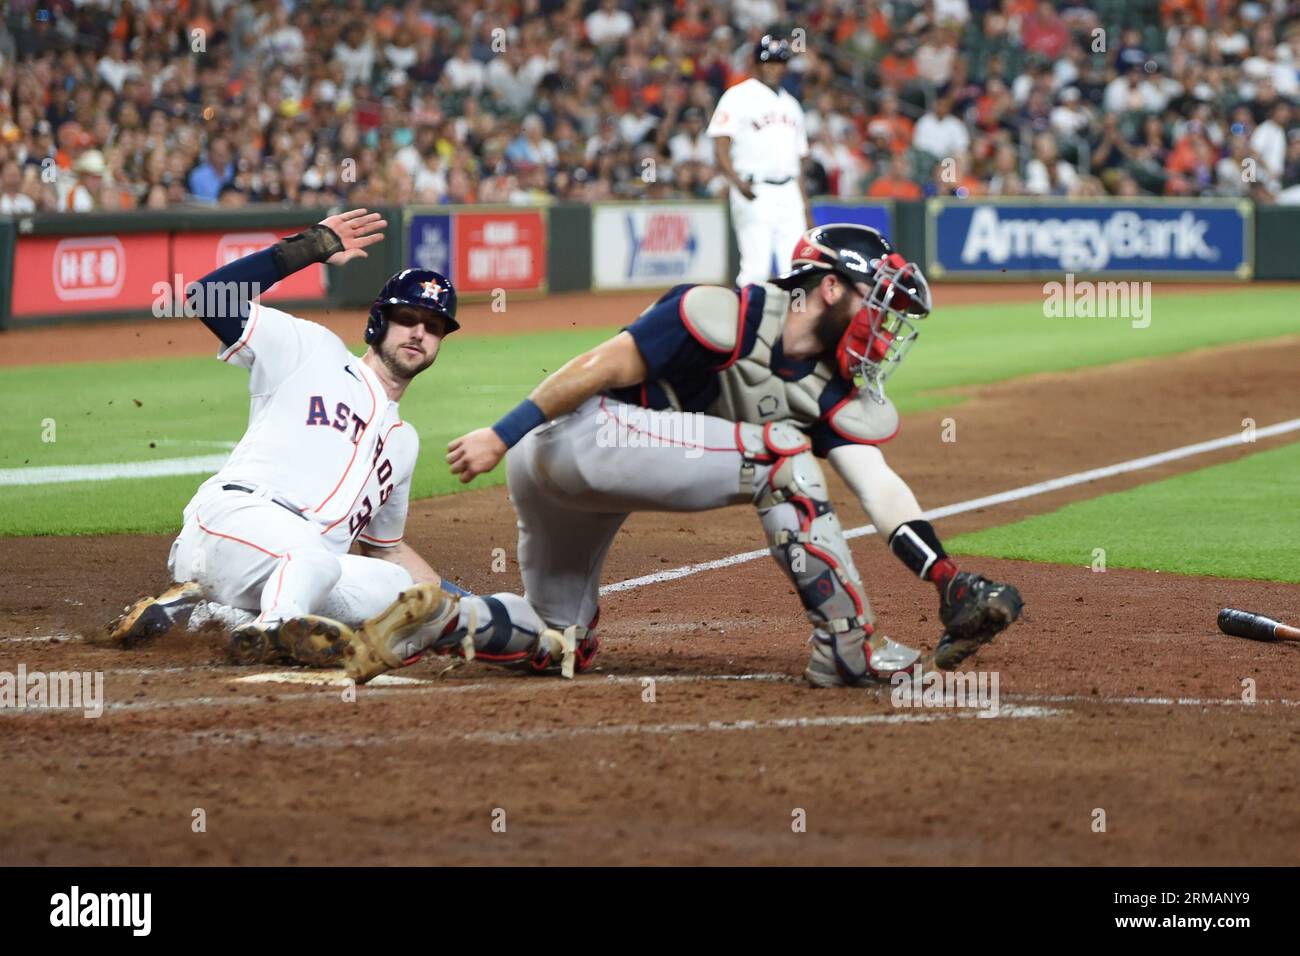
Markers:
383,686
337,678
1154,701
724,726
334,741
193,443
54,474
974,504
393,684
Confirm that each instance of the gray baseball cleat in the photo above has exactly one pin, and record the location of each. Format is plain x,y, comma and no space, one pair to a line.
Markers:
842,661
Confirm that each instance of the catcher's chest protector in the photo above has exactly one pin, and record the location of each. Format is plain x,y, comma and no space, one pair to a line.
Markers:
752,391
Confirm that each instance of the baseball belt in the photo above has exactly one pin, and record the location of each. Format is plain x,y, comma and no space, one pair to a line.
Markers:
275,499
771,182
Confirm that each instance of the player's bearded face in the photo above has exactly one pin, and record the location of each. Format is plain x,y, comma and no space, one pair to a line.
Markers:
411,343
836,316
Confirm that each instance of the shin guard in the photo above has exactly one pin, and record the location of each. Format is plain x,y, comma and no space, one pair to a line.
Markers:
806,539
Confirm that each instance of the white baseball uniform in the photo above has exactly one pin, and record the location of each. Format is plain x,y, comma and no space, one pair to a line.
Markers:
768,143
326,460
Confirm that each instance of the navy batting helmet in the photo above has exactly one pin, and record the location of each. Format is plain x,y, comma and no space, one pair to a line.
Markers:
422,288
772,49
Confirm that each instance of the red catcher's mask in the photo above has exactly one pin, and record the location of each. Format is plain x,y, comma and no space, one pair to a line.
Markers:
882,331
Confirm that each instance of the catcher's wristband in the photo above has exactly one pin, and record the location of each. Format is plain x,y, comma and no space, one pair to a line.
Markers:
518,422
315,244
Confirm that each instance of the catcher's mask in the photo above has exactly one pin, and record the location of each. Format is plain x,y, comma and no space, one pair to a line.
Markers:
422,288
895,296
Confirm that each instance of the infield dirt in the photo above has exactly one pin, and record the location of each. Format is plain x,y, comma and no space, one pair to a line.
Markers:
1118,694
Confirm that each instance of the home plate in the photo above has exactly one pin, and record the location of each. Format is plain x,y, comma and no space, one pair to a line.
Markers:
327,678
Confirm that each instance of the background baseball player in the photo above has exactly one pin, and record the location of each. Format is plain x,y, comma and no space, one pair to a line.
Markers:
785,373
326,463
758,132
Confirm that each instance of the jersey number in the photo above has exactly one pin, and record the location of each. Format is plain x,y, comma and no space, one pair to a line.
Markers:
357,523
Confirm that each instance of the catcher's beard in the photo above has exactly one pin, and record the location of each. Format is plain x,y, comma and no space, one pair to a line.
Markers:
833,322
401,367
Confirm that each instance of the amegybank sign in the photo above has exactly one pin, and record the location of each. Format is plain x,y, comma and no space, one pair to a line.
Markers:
1208,239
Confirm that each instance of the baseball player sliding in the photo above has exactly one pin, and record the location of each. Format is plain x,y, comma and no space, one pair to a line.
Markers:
716,396
759,137
326,464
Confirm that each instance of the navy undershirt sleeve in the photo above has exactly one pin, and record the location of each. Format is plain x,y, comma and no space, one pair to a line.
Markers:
224,307
824,438
668,348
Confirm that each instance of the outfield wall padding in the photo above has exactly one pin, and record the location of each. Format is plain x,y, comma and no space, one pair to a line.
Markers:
1277,242
72,267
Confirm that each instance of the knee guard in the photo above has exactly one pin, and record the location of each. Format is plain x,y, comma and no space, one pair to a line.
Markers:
804,534
806,539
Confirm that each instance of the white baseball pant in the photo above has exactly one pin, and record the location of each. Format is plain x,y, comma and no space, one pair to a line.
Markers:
248,552
768,228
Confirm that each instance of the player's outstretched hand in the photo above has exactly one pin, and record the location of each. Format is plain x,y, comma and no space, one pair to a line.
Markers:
356,229
475,454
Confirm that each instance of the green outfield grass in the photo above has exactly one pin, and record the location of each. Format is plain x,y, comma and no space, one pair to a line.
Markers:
112,412
189,407
1235,520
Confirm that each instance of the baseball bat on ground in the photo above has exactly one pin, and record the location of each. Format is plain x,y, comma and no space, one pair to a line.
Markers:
1257,627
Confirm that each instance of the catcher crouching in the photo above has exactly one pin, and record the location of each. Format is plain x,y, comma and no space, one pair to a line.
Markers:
779,376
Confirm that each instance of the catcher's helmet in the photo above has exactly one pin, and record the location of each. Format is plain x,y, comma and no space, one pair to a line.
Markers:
422,288
771,49
895,296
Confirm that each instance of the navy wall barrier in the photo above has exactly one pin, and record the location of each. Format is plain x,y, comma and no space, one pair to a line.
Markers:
1037,238
874,213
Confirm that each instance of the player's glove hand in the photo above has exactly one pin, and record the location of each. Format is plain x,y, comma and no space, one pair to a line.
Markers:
475,454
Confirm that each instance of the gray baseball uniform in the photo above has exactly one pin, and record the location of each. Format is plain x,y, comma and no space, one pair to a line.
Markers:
723,418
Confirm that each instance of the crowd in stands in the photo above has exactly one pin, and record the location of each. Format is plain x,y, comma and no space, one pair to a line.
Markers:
155,104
